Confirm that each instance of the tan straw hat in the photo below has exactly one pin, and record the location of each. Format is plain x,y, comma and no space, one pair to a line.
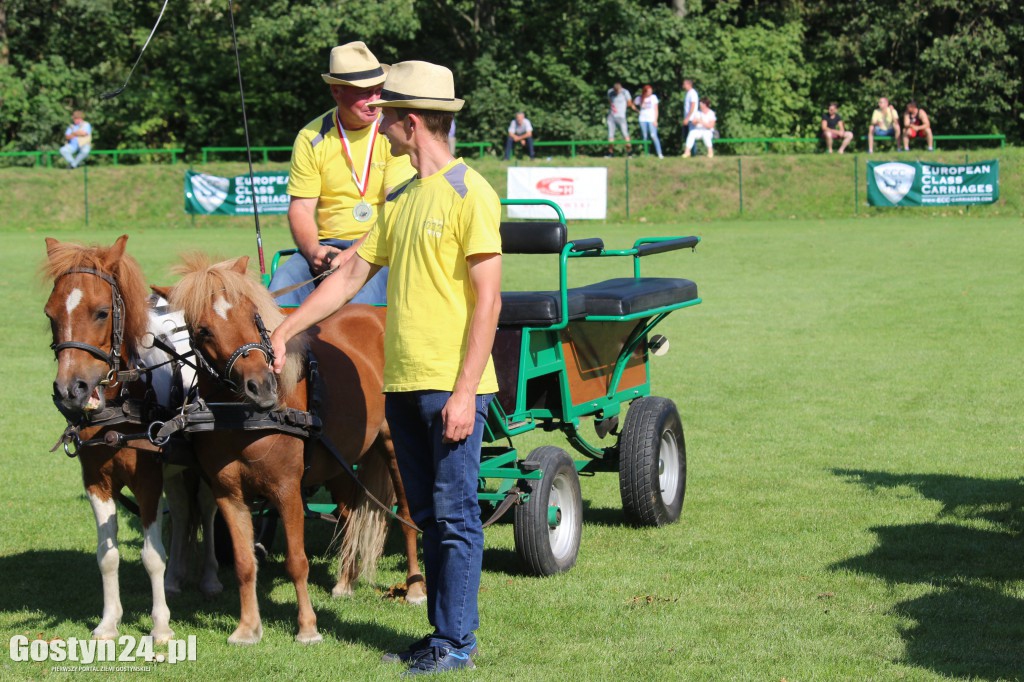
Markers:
419,85
353,64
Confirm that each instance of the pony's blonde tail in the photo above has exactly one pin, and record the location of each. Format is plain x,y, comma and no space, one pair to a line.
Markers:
367,525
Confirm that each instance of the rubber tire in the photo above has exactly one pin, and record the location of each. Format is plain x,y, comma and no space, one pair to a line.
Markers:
651,423
534,539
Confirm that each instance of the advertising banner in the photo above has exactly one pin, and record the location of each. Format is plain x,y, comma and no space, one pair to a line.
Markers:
917,183
212,195
582,193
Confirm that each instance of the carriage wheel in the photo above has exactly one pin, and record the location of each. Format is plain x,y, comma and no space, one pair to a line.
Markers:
548,526
652,463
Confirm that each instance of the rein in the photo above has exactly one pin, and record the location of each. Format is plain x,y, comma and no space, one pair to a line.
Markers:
264,346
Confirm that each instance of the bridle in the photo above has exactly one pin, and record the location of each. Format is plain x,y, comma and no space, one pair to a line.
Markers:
264,346
113,358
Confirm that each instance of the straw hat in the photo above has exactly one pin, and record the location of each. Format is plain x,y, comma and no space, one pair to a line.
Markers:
419,85
353,64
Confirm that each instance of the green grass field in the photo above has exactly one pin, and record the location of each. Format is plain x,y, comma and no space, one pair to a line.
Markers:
851,396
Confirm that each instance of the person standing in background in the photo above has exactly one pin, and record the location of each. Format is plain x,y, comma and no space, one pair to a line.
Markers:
647,101
78,140
618,99
690,108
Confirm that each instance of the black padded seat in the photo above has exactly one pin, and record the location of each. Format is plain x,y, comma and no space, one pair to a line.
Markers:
626,295
537,308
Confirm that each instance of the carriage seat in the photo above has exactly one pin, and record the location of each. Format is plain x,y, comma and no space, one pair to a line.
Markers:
537,308
626,295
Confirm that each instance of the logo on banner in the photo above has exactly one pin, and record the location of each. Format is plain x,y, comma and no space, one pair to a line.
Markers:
556,187
210,191
894,180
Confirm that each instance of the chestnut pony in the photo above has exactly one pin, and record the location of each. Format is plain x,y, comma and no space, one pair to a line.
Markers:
99,315
228,313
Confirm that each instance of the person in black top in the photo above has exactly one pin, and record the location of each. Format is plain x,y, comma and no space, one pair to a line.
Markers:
916,124
833,128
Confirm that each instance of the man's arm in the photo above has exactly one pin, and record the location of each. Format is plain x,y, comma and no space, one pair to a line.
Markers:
824,126
923,116
302,221
336,290
690,113
459,413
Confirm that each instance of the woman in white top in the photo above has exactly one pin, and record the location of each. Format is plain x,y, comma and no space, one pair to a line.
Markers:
647,102
704,128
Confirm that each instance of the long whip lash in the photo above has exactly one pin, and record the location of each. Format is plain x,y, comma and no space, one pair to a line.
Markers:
248,148
114,93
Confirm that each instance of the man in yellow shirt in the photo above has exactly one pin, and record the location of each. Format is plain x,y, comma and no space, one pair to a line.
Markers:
885,122
439,234
340,173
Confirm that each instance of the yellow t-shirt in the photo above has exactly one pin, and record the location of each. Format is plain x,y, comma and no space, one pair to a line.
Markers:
883,119
320,169
428,228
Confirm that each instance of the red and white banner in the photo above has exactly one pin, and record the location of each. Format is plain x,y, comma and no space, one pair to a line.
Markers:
581,192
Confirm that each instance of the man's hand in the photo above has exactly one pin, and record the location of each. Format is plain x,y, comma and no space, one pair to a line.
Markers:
277,342
323,258
459,417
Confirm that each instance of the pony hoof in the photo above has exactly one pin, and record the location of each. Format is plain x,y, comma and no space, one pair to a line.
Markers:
172,590
314,638
416,598
246,636
162,635
211,589
105,632
342,591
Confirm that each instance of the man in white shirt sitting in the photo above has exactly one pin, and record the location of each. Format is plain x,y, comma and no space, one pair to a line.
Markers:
703,128
520,131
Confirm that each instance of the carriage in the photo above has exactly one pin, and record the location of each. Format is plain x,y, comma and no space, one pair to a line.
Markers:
567,356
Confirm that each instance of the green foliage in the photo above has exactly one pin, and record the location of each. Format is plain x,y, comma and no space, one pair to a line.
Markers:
769,68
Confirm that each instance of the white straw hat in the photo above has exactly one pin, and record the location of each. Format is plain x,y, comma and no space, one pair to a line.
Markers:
419,85
353,64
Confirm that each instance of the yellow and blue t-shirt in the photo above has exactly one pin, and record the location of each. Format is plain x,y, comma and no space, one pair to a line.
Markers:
426,231
320,169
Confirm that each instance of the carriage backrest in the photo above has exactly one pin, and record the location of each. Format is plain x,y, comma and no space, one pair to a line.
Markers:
533,237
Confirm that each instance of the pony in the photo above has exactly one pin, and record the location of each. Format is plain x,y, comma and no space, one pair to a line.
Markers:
229,316
100,317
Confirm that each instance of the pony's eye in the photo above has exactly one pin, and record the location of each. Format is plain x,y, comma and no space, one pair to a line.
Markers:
203,333
102,314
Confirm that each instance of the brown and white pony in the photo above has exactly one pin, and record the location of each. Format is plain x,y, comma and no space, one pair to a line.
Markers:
228,314
99,314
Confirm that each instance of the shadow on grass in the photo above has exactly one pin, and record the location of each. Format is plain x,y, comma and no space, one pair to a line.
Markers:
970,624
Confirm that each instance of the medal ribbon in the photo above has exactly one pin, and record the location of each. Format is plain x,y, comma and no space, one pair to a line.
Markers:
361,186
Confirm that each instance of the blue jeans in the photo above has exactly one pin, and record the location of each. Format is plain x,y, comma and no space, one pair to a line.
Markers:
296,269
648,129
441,484
75,160
508,147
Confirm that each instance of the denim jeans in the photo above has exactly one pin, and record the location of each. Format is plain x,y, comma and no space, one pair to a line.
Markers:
75,160
649,129
441,485
508,147
296,269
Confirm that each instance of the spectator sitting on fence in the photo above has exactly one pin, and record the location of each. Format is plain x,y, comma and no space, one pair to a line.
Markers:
648,103
341,171
618,99
885,122
833,128
78,137
703,129
520,131
916,124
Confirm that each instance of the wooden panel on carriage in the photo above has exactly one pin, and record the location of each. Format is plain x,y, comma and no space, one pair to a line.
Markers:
591,350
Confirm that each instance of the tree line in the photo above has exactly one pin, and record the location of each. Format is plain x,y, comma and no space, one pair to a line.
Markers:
769,68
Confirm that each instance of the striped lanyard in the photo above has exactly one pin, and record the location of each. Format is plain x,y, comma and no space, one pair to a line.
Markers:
360,185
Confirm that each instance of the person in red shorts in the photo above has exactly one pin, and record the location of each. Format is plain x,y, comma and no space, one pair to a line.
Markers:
916,124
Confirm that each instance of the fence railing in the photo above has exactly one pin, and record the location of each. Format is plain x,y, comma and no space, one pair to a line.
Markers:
46,157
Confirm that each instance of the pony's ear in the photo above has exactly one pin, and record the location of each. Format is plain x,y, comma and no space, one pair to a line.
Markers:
241,265
163,292
115,253
51,244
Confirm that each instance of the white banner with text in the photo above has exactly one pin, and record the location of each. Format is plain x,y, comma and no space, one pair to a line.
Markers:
582,193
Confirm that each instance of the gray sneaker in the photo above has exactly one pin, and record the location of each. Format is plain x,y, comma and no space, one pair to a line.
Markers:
419,648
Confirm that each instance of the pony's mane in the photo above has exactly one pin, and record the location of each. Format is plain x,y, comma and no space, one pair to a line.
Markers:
202,278
65,256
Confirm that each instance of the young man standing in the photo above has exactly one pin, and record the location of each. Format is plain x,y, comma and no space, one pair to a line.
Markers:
439,234
341,171
833,128
885,122
618,99
690,108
